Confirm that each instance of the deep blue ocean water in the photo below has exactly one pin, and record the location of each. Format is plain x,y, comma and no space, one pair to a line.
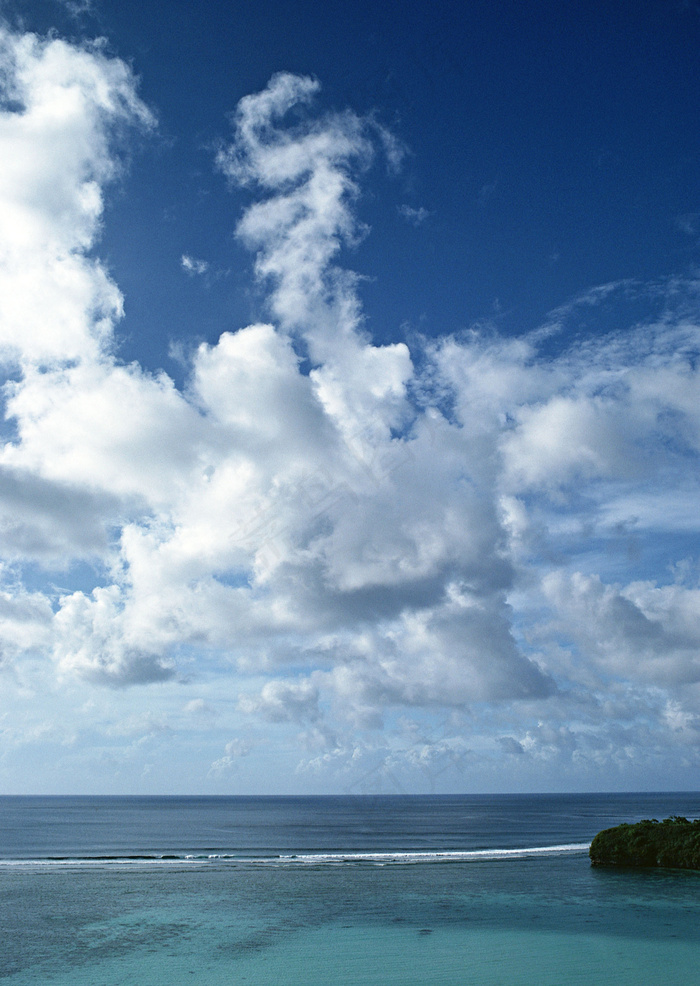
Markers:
340,890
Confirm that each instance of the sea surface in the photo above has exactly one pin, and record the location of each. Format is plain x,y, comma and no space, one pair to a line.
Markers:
376,890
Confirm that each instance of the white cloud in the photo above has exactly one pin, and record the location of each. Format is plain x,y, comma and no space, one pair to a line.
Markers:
193,266
67,105
372,531
415,216
235,750
78,7
25,623
640,632
92,641
689,223
284,701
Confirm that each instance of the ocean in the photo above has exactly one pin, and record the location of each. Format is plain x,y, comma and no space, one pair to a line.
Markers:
333,891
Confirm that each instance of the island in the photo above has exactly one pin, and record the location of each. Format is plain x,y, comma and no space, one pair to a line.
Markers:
673,843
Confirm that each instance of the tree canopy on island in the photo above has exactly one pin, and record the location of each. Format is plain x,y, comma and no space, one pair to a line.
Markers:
673,843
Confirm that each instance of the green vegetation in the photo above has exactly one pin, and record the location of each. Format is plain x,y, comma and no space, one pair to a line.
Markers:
675,842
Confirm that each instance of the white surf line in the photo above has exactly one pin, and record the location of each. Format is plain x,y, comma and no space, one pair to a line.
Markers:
319,858
447,855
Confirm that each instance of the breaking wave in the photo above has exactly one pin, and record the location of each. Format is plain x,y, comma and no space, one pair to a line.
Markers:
286,859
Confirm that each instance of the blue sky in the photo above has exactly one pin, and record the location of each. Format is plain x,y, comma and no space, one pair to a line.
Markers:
351,401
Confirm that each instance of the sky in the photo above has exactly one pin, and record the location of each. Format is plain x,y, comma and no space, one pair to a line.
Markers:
350,395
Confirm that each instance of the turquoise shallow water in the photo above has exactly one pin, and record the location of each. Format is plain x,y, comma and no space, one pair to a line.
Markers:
353,913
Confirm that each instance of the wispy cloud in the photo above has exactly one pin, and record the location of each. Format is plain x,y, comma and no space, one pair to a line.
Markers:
689,223
193,266
415,216
78,8
486,193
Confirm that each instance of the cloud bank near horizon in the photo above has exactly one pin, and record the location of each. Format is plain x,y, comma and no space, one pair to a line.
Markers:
345,536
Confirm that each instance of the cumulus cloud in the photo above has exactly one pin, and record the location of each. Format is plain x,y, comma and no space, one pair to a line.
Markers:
66,105
51,521
25,623
91,641
234,751
640,631
284,701
374,529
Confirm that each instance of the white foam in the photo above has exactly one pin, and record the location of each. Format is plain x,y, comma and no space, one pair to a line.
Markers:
446,856
403,857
